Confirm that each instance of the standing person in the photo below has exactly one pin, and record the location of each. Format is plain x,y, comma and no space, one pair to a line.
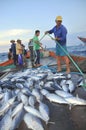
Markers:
19,50
31,49
37,45
60,33
24,52
13,48
10,56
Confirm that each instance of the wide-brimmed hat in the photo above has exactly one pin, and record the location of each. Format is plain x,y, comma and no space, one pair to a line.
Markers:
58,18
12,41
18,40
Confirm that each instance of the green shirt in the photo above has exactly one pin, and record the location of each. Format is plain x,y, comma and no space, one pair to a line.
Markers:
36,46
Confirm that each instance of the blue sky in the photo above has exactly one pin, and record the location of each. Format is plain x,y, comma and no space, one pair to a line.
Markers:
20,18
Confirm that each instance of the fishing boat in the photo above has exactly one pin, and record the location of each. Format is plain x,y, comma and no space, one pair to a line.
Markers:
48,58
82,39
6,63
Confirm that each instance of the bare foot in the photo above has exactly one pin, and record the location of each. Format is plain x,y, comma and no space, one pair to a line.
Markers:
68,71
39,65
59,70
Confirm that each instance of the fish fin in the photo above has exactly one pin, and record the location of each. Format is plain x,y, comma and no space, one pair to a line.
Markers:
77,96
50,122
70,106
13,116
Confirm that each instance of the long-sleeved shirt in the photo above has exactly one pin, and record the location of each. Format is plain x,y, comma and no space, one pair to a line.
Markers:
13,47
18,48
59,32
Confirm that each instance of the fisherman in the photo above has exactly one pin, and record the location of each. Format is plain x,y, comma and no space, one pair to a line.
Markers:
24,52
32,54
19,51
10,56
60,33
13,48
37,45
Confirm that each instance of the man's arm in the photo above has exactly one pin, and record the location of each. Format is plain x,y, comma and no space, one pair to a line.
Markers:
63,37
40,44
50,31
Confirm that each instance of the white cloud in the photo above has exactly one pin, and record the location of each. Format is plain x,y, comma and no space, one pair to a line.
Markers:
7,35
4,42
14,32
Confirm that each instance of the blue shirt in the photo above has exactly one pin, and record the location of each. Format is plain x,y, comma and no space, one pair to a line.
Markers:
60,32
13,47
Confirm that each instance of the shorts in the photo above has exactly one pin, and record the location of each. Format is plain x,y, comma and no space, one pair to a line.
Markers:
59,50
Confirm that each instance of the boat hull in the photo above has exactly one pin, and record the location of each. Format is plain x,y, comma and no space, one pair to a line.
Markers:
82,39
6,63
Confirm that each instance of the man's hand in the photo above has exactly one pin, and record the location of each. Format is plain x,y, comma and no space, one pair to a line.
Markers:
46,32
40,44
41,47
53,38
57,39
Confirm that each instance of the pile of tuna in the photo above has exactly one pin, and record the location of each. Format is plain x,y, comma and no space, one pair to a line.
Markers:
22,96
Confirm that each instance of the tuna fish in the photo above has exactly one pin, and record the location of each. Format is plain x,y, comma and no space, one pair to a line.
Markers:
75,101
65,87
5,123
55,98
44,110
33,111
23,98
6,106
17,109
32,101
71,85
19,85
49,85
1,95
63,94
37,94
33,122
26,91
7,95
17,119
44,92
62,82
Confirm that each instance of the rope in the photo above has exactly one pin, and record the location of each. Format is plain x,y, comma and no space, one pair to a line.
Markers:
68,55
42,37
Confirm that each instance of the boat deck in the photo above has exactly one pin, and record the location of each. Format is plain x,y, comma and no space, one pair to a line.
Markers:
60,115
